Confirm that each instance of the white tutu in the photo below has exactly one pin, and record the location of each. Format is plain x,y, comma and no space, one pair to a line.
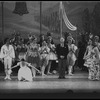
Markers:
25,72
52,56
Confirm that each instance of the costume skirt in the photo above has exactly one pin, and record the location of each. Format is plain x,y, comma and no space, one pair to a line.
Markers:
71,58
52,56
34,61
25,73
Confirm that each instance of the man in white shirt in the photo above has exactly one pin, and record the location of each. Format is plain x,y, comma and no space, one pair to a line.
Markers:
7,56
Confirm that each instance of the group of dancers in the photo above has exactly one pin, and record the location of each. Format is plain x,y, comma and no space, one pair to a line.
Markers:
32,57
35,56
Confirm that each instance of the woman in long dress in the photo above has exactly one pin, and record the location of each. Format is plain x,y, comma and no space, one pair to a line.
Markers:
71,57
87,57
94,63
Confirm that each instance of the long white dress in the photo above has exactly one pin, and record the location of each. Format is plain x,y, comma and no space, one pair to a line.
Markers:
88,59
24,72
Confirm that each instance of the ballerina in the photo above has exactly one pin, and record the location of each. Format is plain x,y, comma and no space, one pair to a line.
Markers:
52,54
44,51
71,57
24,73
33,56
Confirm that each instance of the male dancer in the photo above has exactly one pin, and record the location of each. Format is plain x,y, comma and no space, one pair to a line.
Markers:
7,56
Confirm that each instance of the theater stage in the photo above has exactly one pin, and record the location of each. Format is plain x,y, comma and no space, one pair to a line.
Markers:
41,87
50,84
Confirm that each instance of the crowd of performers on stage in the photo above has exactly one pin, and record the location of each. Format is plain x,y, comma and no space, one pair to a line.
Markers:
35,56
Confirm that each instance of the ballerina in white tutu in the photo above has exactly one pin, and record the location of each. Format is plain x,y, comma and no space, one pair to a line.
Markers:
52,53
24,73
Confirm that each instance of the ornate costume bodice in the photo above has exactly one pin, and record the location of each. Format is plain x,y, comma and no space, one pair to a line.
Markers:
89,50
44,50
72,48
33,50
52,47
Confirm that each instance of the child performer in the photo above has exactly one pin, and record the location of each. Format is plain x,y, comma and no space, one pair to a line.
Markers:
24,73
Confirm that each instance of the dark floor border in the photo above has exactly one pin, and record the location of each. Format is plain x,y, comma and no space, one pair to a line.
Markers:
56,95
51,96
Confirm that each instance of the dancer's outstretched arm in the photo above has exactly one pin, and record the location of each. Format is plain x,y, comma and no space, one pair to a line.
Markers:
34,67
15,66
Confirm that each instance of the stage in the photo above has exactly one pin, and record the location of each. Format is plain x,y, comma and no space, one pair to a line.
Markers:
50,84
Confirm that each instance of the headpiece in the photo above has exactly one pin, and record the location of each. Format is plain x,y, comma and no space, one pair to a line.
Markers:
62,39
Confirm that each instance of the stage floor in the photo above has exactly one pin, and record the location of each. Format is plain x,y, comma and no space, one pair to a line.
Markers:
50,84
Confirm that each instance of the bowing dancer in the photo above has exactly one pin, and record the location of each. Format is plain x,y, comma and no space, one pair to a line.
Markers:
71,57
62,52
24,73
7,56
44,51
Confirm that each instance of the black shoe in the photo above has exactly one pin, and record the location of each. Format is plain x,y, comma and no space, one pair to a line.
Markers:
64,78
61,78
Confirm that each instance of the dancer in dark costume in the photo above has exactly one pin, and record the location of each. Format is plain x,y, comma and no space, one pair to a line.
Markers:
42,38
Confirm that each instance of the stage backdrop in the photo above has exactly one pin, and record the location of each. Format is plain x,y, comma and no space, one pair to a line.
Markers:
50,17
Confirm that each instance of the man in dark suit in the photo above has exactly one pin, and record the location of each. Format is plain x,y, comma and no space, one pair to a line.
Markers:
62,52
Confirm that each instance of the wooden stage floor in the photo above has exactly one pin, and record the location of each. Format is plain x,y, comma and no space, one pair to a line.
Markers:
50,84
